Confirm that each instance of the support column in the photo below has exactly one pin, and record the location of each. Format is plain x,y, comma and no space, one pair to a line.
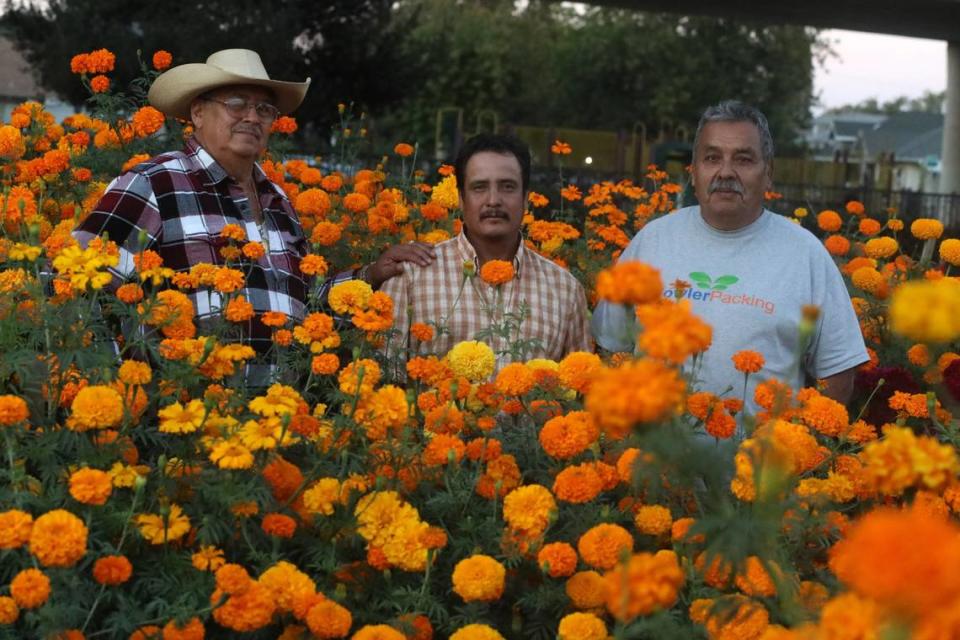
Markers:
950,168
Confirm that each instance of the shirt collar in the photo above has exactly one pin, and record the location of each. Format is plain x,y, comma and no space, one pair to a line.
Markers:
216,171
469,254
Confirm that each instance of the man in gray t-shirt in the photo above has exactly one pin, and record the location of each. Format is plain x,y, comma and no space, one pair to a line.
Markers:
750,271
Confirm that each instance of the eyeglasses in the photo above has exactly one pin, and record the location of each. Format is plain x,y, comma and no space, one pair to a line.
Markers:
239,107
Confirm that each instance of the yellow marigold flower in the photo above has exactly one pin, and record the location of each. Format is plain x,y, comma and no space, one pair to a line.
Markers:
950,251
630,282
376,510
645,584
582,626
13,409
160,528
585,590
176,418
479,577
112,570
58,539
96,407
30,588
322,496
359,377
350,297
602,545
529,509
901,460
230,454
279,400
926,228
287,583
125,476
471,359
881,248
926,310
653,519
207,558
476,631
15,527
446,194
9,611
90,486
637,392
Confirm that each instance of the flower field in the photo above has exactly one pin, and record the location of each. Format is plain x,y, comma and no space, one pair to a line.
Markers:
147,492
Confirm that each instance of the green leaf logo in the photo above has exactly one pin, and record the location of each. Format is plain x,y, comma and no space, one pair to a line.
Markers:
702,280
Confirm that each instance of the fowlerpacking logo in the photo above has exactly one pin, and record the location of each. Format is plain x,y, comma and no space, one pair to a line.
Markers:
709,289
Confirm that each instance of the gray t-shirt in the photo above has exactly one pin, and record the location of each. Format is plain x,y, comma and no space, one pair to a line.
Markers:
750,286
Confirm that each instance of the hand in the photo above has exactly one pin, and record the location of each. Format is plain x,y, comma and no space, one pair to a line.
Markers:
390,262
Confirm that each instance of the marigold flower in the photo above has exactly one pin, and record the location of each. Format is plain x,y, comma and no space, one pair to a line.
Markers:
578,484
582,626
359,377
130,293
403,149
735,617
133,372
829,221
515,379
325,364
422,332
950,251
232,578
95,407
653,519
58,539
90,486
112,570
837,245
350,297
926,311
443,449
328,619
147,121
15,527
9,611
585,590
747,361
529,509
472,360
279,525
825,415
161,60
378,632
230,454
501,477
496,272
602,545
285,125
557,559
630,282
645,584
207,558
577,369
881,248
926,228
248,611
561,148
478,577
99,84
180,419
870,280
30,588
314,265
637,392
13,409
160,529
564,437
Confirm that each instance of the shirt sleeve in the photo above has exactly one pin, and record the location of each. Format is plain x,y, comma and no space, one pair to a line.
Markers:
126,214
837,342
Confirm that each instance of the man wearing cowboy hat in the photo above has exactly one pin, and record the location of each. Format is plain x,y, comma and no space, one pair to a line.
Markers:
178,203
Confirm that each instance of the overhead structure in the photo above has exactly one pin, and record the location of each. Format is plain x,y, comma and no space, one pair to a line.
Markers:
934,19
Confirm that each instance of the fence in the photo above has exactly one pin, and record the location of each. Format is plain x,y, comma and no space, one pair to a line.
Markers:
908,204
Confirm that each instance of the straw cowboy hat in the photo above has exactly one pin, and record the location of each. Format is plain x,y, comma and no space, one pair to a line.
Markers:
174,90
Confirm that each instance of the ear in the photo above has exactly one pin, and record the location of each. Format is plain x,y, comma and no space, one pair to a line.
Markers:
196,112
769,173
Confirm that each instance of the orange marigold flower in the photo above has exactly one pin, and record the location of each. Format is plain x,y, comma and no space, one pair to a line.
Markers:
314,265
285,125
328,619
356,202
326,233
192,629
312,202
855,207
529,509
869,227
577,369
161,60
130,293
207,558
325,364
637,392
582,626
825,415
227,280
564,437
653,519
403,149
747,361
585,590
239,310
630,282
515,379
557,559
422,332
501,477
13,409
279,525
233,578
926,228
602,545
496,272
15,527
829,221
9,611
443,449
880,248
645,584
479,578
735,617
112,570
95,407
90,486
571,193
755,580
147,121
578,484
561,148
58,539
30,588
99,84
100,61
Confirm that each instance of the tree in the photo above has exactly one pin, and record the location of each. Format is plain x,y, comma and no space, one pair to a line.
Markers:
929,102
344,45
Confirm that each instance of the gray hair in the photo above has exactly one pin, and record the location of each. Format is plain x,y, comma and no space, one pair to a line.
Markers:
736,111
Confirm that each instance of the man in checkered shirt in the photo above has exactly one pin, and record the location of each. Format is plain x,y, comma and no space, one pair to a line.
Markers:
493,175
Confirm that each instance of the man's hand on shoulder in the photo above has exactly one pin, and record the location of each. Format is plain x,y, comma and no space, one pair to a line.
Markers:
390,262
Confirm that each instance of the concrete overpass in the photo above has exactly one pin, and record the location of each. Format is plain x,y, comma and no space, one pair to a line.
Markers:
935,19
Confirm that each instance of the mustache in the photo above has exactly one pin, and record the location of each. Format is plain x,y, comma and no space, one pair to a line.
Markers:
494,213
725,184
255,130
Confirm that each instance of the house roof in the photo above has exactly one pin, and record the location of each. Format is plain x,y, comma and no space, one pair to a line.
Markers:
908,134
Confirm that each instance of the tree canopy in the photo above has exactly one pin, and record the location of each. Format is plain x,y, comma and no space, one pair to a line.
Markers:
929,102
540,64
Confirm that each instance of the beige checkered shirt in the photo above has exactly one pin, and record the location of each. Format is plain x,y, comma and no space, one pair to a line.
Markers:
555,321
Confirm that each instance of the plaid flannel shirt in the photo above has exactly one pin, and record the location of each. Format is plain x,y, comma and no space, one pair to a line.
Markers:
179,202
555,324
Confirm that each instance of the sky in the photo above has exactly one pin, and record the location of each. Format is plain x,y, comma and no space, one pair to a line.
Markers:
871,65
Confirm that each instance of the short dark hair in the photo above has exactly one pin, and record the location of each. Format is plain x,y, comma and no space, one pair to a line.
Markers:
497,143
